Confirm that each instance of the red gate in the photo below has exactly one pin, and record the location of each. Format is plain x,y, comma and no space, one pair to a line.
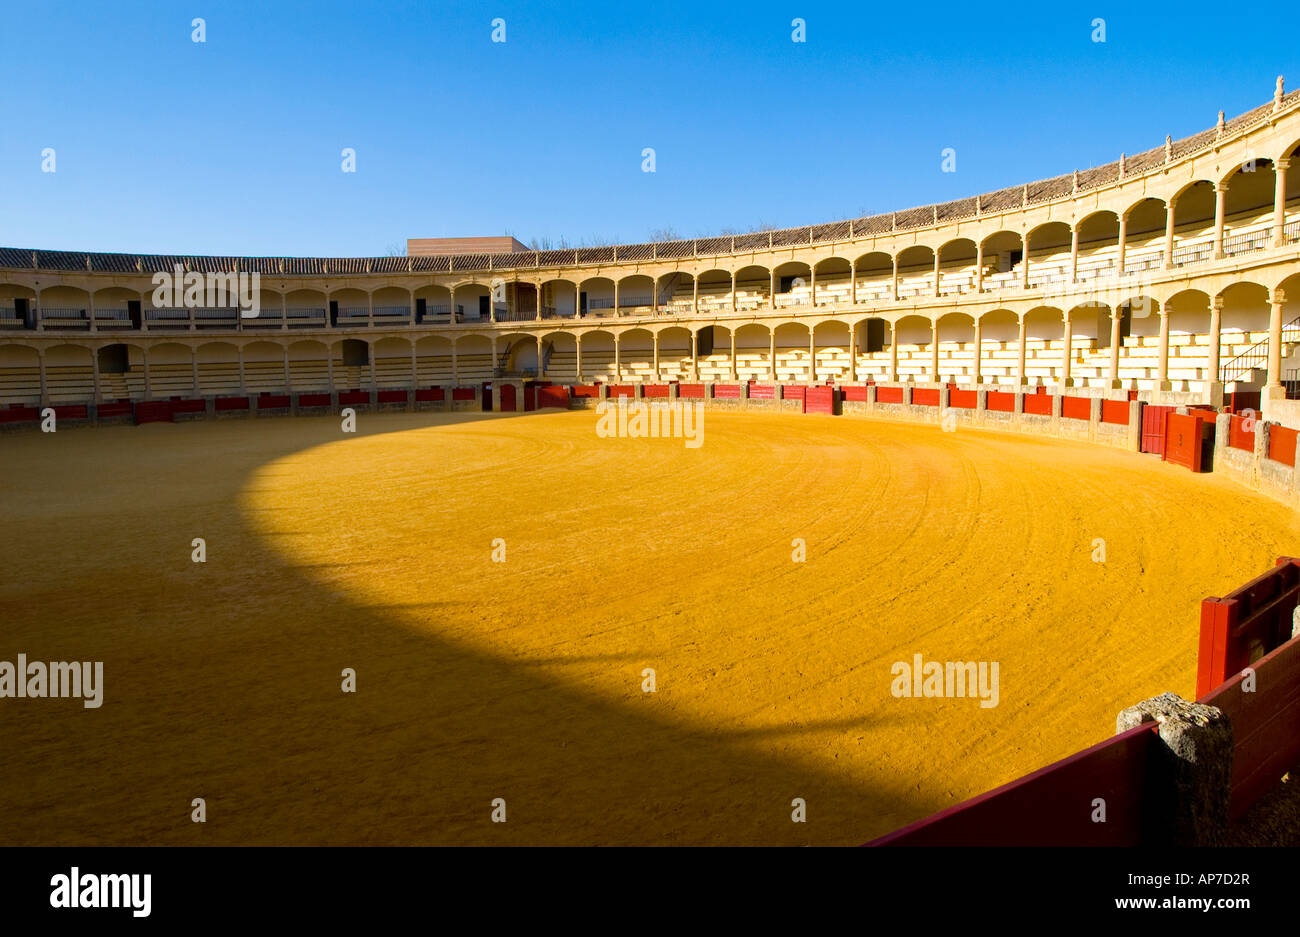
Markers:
507,392
1153,428
819,400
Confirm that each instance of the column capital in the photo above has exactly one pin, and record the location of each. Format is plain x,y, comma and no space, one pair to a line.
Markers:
1217,304
1279,296
1221,186
1284,163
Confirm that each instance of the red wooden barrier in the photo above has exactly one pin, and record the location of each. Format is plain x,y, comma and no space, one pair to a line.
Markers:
621,390
21,414
270,401
553,397
457,393
1185,438
1115,412
1265,724
925,397
726,391
889,394
323,400
1052,806
188,406
687,391
819,400
424,394
1038,404
232,403
71,412
655,390
1281,444
1153,428
390,396
1241,400
855,393
1001,401
506,392
1077,408
1246,623
153,411
762,391
1238,438
963,399
585,390
363,396
115,408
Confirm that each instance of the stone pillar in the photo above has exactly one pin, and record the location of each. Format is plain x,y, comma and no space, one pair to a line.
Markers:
1220,198
772,353
893,352
812,286
655,340
977,370
1021,379
812,355
934,351
1024,262
94,374
853,282
1162,375
1074,255
1192,771
1169,235
618,359
979,267
1216,339
936,273
771,289
1067,352
695,355
577,345
541,358
1123,242
733,353
695,297
616,312
1274,383
40,363
853,352
1279,200
895,277
1115,317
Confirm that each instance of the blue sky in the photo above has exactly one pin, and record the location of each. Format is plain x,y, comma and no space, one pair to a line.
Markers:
233,146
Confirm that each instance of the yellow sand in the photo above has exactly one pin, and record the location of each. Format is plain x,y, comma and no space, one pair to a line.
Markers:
522,680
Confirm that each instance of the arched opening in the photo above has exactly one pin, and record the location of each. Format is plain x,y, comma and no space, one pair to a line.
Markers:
433,361
677,293
753,288
1049,255
999,336
595,297
114,306
1003,253
306,309
915,271
915,340
559,299
793,284
393,363
957,266
308,366
392,306
20,379
635,295
219,373
64,307
1194,223
875,273
1044,332
834,284
753,345
831,351
792,363
559,356
1248,207
1144,235
433,304
472,302
596,355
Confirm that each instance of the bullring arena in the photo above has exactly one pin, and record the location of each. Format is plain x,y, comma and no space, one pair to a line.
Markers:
919,429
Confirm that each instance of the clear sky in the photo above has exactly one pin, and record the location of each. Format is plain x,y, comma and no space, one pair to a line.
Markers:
233,145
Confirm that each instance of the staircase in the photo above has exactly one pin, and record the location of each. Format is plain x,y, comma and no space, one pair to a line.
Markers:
1255,358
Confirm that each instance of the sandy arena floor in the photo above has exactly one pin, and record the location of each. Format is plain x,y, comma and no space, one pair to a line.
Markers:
522,680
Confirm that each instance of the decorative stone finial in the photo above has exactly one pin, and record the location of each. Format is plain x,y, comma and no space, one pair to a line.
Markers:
1123,159
1218,130
1075,185
1277,94
1169,148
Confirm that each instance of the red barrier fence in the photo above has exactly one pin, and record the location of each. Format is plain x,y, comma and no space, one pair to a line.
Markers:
621,390
690,391
1153,428
1281,444
855,393
792,392
762,391
1265,724
1189,440
655,390
889,394
1246,624
1038,404
72,412
347,397
819,400
457,393
20,414
1000,401
1249,627
232,403
726,391
963,399
115,408
580,391
425,394
389,396
553,397
1241,400
1028,811
1077,408
153,411
925,396
1238,437
194,405
272,401
1115,412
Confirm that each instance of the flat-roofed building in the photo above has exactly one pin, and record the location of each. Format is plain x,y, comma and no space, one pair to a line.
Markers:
426,247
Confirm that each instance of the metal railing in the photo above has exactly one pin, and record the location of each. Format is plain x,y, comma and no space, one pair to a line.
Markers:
1256,356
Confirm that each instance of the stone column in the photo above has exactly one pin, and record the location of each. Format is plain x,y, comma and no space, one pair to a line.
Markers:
771,290
655,339
1115,317
812,355
977,369
1220,198
979,267
1020,354
1169,235
772,353
1123,242
1162,376
1275,342
577,347
1216,338
1279,200
853,352
895,277
853,281
936,273
618,359
733,354
1074,255
695,355
1024,262
934,351
893,352
1067,352
40,363
541,358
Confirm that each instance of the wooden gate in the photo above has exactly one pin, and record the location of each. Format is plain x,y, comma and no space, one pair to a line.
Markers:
1153,428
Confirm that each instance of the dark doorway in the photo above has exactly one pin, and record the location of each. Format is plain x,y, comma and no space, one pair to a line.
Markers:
484,310
419,311
134,313
113,359
582,304
356,353
334,313
875,335
486,394
23,310
704,341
